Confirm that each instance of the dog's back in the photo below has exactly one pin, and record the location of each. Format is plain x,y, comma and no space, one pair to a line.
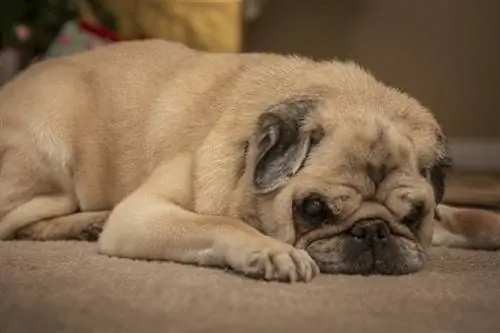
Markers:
77,108
91,125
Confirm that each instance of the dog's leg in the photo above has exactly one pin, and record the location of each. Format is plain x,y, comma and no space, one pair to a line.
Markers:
34,205
79,226
38,208
466,228
154,223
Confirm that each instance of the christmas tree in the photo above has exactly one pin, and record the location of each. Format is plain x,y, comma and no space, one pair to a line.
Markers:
31,25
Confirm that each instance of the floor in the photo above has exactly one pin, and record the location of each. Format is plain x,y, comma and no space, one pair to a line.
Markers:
68,287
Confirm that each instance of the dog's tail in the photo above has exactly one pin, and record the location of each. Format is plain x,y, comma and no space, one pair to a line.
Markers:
471,228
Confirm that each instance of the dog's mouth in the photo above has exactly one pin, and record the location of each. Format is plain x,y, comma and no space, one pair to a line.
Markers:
368,247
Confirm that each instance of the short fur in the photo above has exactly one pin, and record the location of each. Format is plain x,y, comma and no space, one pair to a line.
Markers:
210,159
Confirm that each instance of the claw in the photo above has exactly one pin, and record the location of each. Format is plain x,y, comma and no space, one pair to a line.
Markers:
268,270
301,265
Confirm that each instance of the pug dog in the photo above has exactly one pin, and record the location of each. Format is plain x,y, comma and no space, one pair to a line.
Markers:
277,167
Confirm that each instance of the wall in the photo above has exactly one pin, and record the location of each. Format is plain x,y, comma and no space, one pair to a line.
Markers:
446,53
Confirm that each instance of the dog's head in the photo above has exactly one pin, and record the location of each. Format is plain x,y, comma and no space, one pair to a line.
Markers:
352,177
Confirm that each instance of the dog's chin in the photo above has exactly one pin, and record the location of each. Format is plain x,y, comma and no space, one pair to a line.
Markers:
344,254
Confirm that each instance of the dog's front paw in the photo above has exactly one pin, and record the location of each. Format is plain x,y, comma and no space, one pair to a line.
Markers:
278,261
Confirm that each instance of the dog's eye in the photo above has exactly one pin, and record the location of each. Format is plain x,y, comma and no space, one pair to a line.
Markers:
414,216
314,210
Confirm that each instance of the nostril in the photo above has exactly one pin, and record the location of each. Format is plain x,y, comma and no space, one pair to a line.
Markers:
382,233
358,231
375,230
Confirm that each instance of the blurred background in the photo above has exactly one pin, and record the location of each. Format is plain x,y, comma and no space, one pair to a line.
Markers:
445,53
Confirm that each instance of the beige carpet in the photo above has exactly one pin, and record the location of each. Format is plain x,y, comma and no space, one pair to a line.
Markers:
67,287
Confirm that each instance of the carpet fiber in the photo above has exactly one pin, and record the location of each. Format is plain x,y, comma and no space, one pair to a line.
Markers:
67,287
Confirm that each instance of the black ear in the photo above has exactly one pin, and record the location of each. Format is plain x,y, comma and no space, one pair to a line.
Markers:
282,144
440,169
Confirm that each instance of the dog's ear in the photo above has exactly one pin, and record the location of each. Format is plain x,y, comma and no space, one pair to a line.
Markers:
439,171
282,143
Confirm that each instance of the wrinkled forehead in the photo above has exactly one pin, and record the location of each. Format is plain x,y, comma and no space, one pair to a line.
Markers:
365,147
374,141
367,130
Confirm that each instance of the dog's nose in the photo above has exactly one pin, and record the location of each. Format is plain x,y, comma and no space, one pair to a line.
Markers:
376,230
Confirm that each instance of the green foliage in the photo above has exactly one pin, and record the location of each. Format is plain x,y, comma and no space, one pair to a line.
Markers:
43,18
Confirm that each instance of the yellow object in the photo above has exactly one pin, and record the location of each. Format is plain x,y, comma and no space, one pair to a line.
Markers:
214,26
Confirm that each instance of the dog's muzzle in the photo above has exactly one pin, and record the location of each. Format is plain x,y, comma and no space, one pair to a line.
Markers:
367,247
